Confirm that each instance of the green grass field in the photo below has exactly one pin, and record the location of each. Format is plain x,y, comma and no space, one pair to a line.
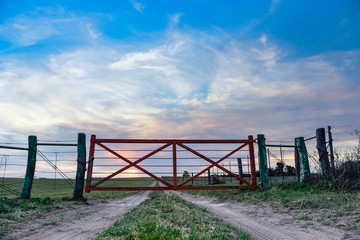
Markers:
60,188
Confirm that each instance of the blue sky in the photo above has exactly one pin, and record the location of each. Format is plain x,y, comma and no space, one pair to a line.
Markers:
178,69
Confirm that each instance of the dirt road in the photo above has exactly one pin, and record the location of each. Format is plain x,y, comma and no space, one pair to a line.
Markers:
80,222
263,223
85,221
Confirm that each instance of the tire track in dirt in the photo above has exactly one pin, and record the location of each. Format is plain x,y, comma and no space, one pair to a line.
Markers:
83,222
261,222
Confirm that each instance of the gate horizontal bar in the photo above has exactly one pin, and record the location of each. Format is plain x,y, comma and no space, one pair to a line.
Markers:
133,140
169,141
168,188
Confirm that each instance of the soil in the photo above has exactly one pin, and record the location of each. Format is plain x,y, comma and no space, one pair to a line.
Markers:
263,223
79,221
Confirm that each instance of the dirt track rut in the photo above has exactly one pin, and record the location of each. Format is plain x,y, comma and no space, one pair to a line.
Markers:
262,223
84,222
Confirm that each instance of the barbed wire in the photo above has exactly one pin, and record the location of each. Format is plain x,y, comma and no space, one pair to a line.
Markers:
10,143
57,141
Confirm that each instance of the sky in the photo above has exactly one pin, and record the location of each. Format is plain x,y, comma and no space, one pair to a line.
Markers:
178,69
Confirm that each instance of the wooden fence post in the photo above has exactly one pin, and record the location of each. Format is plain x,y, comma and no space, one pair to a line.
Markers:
209,177
323,154
264,172
297,160
240,169
30,169
81,167
303,158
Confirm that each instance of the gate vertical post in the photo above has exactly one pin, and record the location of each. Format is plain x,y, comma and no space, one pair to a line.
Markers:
91,163
304,168
30,169
174,165
264,172
323,154
81,167
252,161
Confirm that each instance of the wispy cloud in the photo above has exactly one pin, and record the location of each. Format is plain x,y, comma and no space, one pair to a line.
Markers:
29,28
174,19
137,5
40,24
274,5
89,27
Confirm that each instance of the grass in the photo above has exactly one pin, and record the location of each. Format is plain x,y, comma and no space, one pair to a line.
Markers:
45,198
166,216
290,194
306,202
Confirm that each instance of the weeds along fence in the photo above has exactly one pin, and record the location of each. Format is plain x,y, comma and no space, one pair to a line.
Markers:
43,168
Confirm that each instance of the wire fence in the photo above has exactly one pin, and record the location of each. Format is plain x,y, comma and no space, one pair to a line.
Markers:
56,167
54,173
281,163
12,170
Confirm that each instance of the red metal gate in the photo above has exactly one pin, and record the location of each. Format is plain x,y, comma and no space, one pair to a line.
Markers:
175,151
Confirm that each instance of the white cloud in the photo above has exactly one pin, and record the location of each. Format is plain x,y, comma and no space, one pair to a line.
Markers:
188,86
137,60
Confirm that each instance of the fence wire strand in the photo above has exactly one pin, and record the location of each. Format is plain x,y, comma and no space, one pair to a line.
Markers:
62,174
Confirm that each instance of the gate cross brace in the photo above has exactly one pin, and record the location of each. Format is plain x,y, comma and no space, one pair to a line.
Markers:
213,163
132,164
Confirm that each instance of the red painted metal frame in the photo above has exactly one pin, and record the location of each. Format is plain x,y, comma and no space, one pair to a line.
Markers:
174,142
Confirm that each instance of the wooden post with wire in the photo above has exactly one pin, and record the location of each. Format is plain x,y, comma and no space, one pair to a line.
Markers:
209,177
297,161
332,159
323,154
264,172
81,167
240,169
30,169
304,167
